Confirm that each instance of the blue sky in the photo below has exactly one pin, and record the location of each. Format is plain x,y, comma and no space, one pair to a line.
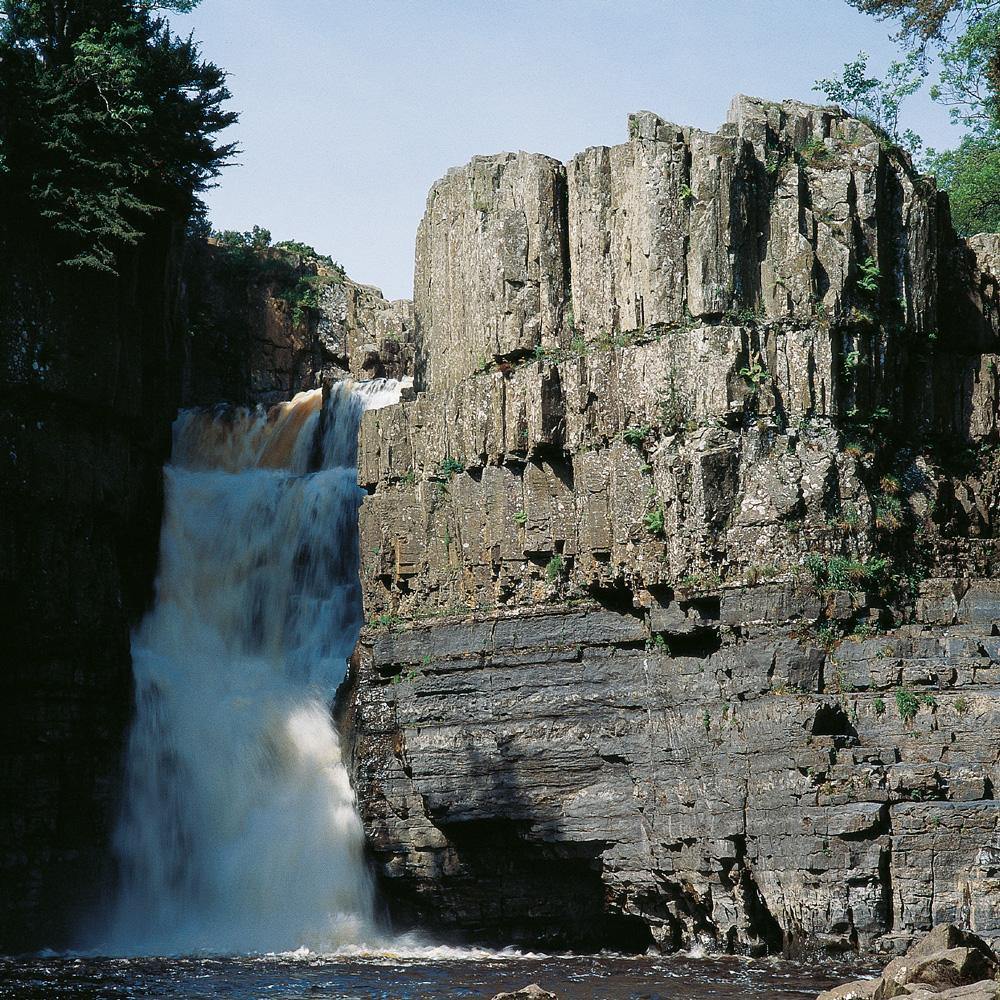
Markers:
351,109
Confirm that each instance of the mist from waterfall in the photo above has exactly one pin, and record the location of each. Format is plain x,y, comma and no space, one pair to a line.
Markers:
239,830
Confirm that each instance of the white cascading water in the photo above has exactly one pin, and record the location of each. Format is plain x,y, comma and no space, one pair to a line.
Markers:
239,830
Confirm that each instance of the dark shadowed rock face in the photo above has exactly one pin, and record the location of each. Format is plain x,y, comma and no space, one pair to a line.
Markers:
248,343
89,381
680,570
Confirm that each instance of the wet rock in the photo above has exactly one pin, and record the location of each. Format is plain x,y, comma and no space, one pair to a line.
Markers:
532,992
947,962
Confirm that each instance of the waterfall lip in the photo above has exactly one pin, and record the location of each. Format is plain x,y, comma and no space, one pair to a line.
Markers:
237,438
383,392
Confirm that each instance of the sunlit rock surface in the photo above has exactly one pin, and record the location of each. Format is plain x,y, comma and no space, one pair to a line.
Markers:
680,570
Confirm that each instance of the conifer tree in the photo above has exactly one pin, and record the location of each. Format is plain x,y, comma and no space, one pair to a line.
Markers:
106,119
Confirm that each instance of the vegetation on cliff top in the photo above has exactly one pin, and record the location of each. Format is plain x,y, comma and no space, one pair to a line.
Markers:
106,120
964,36
295,271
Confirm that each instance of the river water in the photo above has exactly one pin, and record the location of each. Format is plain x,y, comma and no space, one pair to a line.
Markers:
426,975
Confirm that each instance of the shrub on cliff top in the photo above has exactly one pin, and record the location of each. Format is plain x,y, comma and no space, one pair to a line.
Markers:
252,256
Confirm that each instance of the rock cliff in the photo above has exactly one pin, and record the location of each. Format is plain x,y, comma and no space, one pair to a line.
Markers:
265,324
680,567
89,383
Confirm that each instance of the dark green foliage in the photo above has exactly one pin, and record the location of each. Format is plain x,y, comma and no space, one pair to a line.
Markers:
252,257
450,467
555,568
107,119
907,703
253,239
971,175
964,38
868,277
843,573
636,435
877,101
309,254
654,521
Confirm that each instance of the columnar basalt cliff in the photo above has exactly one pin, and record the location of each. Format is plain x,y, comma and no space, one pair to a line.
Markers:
679,569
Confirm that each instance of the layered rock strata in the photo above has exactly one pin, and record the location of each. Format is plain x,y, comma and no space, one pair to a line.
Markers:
679,568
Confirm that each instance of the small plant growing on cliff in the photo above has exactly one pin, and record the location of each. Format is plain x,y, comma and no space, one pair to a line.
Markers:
755,375
851,361
706,720
450,467
961,704
848,521
656,643
654,521
891,484
700,582
578,346
879,705
685,195
636,435
827,637
869,275
409,478
888,512
750,315
907,704
521,518
813,150
555,568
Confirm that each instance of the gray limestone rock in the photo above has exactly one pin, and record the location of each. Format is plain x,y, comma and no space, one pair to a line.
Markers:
651,660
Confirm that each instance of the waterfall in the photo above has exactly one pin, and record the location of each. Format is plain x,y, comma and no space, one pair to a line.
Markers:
239,830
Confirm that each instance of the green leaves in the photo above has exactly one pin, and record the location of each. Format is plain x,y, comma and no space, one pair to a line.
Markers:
875,99
108,119
971,175
868,276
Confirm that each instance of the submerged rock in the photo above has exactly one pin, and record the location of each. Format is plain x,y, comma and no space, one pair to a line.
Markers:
532,992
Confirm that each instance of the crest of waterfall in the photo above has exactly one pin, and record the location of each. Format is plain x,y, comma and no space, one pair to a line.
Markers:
239,830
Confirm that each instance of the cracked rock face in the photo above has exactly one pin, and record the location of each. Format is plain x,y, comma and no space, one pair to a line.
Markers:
679,570
490,271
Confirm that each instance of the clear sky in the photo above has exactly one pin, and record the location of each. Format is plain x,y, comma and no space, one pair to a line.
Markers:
351,109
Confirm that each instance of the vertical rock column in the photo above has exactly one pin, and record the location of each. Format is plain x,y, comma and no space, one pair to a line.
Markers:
490,280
